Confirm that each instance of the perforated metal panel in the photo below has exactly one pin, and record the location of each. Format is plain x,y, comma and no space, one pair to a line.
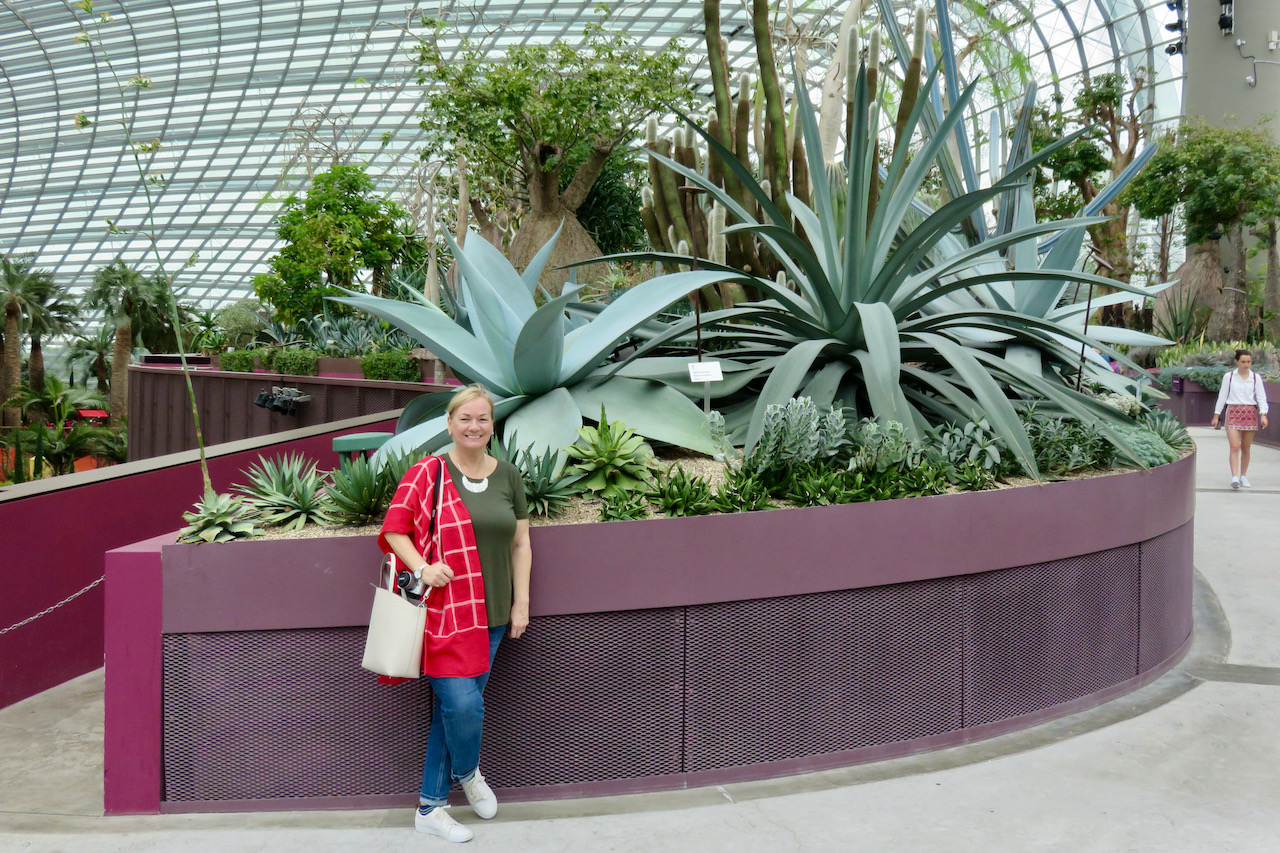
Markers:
809,674
1050,633
1167,578
586,698
268,714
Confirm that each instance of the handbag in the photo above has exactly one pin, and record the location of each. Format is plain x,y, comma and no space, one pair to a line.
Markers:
397,623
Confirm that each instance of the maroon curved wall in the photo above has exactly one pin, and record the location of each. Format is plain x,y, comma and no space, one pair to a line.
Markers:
662,653
53,534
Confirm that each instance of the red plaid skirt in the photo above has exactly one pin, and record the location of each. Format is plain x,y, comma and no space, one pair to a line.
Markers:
1242,417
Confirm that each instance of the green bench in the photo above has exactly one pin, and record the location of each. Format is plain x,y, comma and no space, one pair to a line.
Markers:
362,443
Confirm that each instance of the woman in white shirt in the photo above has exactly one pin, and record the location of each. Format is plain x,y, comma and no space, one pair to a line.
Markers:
1242,404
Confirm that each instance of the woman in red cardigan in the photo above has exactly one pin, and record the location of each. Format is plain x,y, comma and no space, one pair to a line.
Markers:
478,573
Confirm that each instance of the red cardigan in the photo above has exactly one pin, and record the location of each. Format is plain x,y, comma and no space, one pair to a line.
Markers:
456,644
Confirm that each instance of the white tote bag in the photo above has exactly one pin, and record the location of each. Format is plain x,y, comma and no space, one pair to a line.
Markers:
398,620
396,625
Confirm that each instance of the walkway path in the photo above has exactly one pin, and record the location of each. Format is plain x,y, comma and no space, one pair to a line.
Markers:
1189,763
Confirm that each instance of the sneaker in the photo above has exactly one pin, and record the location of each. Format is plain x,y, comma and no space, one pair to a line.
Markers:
438,823
1244,483
1235,482
480,795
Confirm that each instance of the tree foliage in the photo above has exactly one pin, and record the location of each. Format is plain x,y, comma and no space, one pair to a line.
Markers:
1222,177
523,112
339,229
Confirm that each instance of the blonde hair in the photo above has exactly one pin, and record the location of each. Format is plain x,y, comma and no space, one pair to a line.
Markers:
465,395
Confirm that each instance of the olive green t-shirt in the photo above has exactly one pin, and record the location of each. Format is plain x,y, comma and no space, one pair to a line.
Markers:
494,513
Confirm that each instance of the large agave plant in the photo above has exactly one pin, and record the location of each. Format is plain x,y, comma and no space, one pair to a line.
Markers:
867,318
540,364
1063,301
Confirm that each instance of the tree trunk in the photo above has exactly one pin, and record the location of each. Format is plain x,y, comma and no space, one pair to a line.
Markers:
12,375
575,244
35,364
102,375
119,394
1271,284
548,207
1230,320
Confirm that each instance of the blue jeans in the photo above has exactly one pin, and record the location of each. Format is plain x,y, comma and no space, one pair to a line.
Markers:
457,716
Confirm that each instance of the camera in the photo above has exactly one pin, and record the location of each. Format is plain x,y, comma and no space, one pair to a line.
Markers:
410,583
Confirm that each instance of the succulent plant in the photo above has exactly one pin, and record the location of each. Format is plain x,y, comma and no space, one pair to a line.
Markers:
358,493
677,493
218,518
288,492
613,458
540,361
624,506
547,490
742,491
1168,427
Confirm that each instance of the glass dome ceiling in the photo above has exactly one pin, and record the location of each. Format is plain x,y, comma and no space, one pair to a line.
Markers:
236,86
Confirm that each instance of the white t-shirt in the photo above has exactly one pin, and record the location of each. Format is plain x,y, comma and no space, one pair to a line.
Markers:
1236,391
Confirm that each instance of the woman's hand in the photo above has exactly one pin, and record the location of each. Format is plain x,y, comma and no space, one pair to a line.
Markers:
1265,422
1214,423
519,620
436,574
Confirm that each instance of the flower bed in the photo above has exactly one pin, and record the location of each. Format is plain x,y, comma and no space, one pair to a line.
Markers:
662,653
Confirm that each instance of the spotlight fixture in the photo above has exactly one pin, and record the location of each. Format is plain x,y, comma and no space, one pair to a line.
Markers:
1175,27
282,401
1174,5
1174,48
1227,24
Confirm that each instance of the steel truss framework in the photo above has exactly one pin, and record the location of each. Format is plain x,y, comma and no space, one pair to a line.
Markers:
233,81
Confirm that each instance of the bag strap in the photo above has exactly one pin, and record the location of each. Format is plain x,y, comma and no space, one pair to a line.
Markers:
391,563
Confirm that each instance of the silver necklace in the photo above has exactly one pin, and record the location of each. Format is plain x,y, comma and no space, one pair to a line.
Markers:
473,486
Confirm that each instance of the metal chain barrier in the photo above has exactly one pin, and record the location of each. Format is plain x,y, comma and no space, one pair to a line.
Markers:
70,598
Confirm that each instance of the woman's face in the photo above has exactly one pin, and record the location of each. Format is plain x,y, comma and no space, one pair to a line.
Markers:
1244,361
471,424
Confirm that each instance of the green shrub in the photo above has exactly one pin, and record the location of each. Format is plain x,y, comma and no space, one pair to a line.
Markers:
624,506
742,491
296,362
1063,445
358,493
238,360
1207,376
679,494
390,366
546,489
287,492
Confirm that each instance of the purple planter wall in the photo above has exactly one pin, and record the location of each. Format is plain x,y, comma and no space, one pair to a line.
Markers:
56,531
662,653
160,414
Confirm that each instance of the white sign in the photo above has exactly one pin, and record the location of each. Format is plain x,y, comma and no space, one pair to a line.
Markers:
705,371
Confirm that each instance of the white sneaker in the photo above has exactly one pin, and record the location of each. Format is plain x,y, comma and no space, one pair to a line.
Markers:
438,823
1235,482
1244,481
481,796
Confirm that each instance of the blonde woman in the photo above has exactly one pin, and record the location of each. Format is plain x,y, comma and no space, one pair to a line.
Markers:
1242,408
479,593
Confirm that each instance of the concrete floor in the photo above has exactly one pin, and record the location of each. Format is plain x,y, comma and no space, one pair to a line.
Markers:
1189,763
